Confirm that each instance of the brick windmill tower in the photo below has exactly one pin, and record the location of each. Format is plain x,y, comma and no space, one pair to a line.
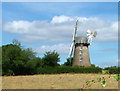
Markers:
80,46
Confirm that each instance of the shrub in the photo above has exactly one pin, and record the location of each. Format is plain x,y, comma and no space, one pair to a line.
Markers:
67,69
113,70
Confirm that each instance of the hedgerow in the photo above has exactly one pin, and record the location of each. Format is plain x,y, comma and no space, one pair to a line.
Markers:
65,69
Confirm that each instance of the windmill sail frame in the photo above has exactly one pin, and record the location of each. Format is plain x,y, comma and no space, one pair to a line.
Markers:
73,41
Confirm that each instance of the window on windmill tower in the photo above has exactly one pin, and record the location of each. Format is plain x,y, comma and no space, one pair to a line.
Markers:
81,52
81,59
80,47
81,41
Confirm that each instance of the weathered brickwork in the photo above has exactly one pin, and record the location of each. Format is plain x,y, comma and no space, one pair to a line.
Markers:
81,56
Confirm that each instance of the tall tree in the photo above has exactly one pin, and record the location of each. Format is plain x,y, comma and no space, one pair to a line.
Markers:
51,59
16,60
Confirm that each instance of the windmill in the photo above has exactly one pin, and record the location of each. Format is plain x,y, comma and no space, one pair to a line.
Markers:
80,46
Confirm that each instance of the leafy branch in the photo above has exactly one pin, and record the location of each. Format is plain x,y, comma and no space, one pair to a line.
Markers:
102,80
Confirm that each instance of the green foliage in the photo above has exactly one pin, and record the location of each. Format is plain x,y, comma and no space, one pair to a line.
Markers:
109,75
66,69
16,42
29,53
11,52
92,65
98,79
18,61
102,80
39,62
51,59
116,77
18,67
93,81
103,83
104,72
78,89
87,82
69,62
90,89
81,89
9,72
113,70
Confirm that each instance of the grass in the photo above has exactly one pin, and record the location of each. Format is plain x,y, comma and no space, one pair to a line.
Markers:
55,81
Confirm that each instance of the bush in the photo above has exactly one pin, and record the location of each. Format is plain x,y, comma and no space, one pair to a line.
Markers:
69,62
68,69
113,70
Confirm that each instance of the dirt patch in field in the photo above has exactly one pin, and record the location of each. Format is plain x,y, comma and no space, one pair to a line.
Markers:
55,81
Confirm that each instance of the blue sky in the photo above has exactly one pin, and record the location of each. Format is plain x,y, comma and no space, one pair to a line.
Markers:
45,11
49,26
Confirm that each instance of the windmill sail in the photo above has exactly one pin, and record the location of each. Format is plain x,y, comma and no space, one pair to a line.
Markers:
90,35
73,41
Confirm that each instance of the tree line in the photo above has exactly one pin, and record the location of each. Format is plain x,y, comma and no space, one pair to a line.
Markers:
16,60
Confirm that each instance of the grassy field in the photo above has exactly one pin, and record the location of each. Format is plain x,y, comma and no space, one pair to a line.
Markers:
55,81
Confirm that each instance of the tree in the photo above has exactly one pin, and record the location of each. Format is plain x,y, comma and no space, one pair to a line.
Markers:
68,63
30,54
51,59
10,53
93,65
16,60
18,67
39,62
31,67
16,42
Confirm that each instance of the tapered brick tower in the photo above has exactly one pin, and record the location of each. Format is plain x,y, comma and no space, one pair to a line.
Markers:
81,52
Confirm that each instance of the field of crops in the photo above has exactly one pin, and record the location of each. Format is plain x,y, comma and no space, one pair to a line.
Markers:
55,81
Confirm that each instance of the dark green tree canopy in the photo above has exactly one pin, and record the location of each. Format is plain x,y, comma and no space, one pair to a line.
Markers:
51,59
16,60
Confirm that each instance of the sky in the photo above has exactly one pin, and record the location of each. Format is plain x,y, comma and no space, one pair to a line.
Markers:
45,26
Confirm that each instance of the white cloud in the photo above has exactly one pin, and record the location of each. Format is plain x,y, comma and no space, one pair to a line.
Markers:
61,19
60,29
60,48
